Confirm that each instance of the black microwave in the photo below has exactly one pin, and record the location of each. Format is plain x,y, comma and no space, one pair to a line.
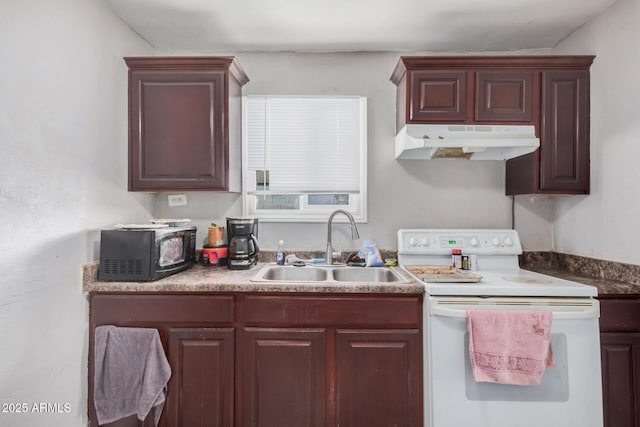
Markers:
139,255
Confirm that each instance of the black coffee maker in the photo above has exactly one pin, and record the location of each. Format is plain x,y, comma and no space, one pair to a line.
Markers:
242,235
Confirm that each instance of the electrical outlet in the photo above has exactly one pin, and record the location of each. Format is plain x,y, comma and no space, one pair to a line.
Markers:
177,200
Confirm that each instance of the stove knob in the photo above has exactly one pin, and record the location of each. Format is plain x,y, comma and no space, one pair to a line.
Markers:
474,242
495,241
507,241
424,241
412,241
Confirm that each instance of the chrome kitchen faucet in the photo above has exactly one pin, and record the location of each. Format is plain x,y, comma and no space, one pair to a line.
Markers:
354,233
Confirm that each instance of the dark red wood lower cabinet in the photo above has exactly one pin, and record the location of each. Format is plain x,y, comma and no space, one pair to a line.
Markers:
379,378
201,388
279,360
621,378
284,374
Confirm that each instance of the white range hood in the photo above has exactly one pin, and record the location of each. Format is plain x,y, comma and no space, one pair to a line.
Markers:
472,142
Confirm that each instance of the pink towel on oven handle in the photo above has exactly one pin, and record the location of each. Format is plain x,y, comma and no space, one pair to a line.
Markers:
509,347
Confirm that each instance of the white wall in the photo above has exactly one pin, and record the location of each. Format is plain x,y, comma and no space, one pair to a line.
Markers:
606,223
402,194
63,140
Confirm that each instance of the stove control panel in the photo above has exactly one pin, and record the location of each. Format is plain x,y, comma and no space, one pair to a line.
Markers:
471,241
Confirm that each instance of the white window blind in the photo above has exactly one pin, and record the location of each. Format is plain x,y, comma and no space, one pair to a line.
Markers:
306,144
304,157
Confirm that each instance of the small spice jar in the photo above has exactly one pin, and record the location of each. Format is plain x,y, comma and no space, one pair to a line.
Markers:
465,262
456,258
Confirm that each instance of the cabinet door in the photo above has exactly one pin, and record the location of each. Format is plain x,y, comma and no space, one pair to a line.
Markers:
201,385
621,378
177,133
284,377
437,96
504,96
379,378
564,144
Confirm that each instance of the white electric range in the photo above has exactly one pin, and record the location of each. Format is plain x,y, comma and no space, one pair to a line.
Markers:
570,393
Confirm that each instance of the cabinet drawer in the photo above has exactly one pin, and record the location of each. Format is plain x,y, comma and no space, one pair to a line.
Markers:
620,315
333,311
127,308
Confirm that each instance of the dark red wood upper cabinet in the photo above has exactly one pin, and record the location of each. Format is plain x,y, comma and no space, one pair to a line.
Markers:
438,96
550,93
184,123
564,151
468,90
505,96
561,164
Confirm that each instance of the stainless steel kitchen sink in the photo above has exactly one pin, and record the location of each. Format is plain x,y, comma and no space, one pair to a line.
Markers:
293,274
355,274
333,273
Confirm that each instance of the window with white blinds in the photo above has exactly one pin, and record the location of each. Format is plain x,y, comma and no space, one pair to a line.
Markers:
304,156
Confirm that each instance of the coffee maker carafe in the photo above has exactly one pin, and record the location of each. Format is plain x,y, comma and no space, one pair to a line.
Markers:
242,234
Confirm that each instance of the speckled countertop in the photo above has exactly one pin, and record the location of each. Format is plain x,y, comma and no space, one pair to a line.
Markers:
606,288
220,279
613,280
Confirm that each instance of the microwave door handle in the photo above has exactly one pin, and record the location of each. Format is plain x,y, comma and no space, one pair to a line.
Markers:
590,312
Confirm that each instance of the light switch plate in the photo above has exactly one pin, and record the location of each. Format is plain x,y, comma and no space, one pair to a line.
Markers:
177,200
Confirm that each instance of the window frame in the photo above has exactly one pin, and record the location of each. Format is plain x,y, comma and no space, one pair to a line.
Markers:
307,213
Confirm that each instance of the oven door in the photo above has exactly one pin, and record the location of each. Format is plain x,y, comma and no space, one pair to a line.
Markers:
570,393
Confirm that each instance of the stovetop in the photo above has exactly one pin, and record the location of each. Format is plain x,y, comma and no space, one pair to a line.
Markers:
496,252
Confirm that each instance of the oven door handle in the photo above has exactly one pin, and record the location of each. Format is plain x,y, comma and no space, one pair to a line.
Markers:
590,312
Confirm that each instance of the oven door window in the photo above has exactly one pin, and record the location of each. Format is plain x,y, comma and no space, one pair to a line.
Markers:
171,251
554,386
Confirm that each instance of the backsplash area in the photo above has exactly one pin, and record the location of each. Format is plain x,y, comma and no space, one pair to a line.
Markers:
270,256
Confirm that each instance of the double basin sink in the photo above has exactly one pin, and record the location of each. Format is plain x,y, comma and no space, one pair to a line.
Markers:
334,273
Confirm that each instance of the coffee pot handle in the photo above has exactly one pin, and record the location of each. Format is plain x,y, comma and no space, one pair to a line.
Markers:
255,244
